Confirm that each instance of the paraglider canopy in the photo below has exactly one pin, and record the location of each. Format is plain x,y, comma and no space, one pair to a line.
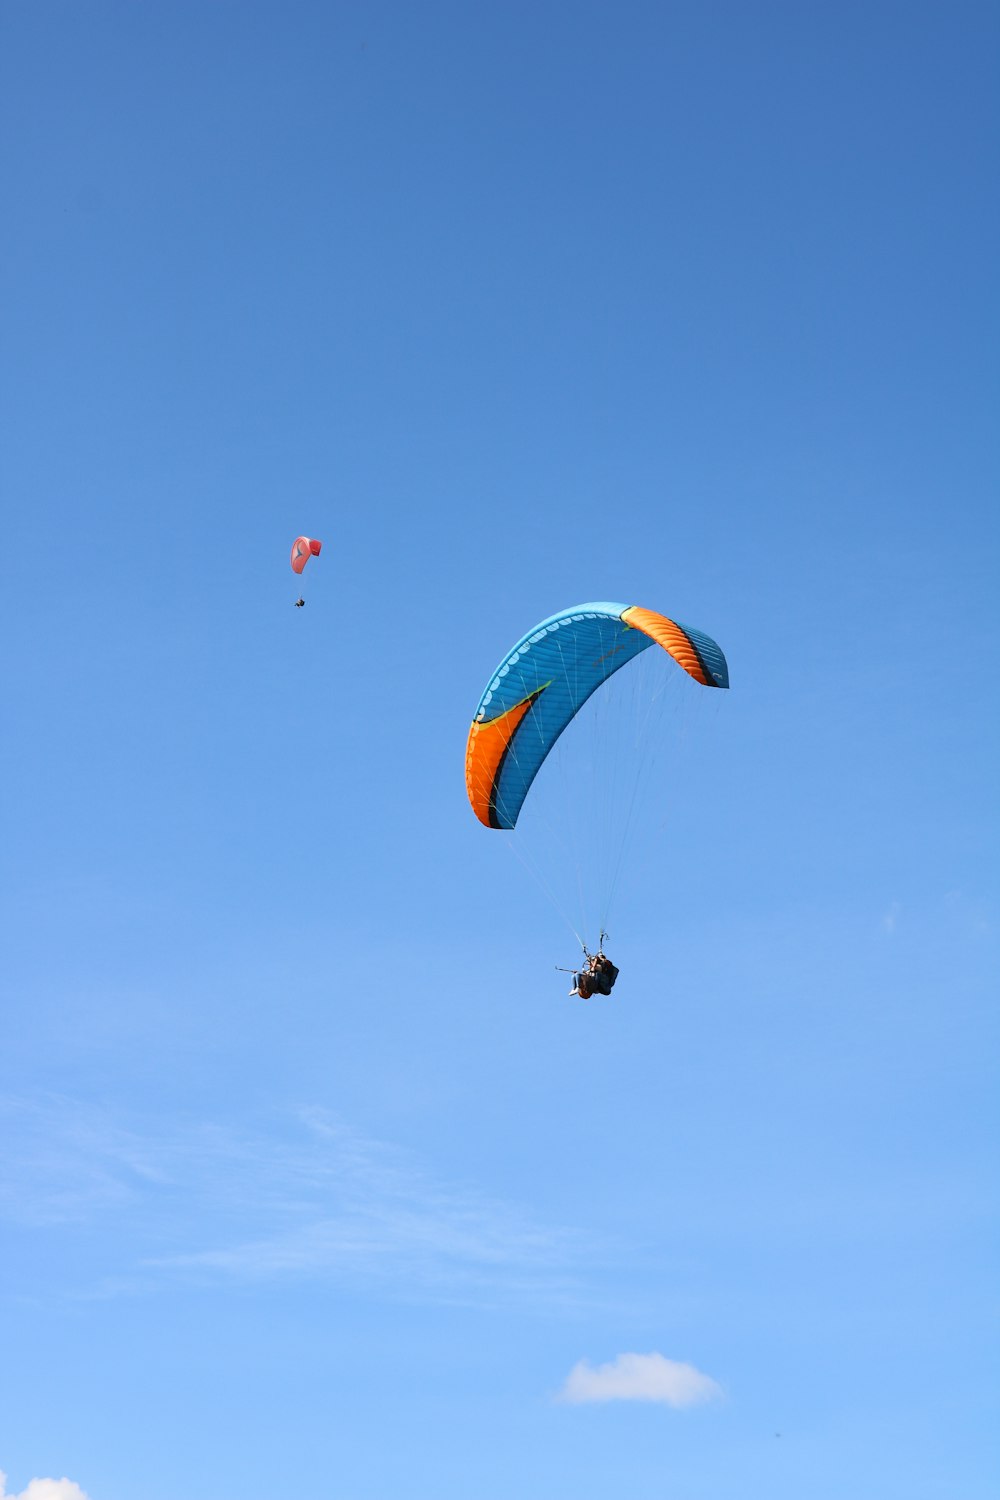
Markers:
545,680
303,548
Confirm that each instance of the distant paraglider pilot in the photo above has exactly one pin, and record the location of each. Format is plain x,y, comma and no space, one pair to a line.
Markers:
299,603
597,977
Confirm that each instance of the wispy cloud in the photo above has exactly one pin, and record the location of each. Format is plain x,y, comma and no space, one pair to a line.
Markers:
351,1206
976,915
65,1163
313,1198
639,1377
43,1489
890,917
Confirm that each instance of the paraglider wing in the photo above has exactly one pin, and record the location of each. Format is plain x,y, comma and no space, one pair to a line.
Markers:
546,679
303,548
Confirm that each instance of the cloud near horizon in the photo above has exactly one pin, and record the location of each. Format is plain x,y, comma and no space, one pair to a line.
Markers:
639,1377
43,1489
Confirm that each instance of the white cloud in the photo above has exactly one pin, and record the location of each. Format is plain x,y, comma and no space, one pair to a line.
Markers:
43,1489
639,1377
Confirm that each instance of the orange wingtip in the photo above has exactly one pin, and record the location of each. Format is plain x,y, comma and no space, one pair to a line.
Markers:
668,635
489,741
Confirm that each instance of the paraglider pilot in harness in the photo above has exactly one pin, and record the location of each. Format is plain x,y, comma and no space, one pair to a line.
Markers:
597,977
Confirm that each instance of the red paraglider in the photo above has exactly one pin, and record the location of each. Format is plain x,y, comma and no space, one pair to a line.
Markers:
303,548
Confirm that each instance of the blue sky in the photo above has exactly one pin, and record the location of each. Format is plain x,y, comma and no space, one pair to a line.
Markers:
313,1180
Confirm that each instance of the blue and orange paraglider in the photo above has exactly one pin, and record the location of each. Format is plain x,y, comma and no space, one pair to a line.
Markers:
303,548
537,691
544,682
